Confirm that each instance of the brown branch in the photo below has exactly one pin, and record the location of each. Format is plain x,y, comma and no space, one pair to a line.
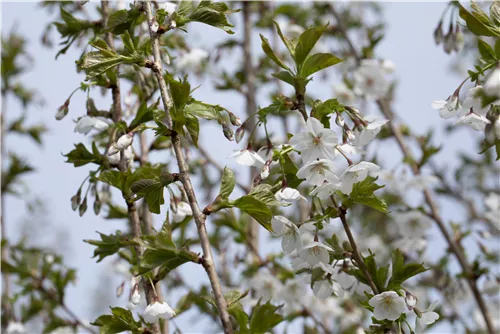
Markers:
454,248
198,216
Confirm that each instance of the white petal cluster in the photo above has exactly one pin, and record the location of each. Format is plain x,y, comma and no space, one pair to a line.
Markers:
87,123
183,210
387,305
370,79
317,142
248,157
15,328
158,310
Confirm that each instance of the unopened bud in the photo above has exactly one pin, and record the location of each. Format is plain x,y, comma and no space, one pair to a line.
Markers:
240,132
119,289
122,143
350,135
417,312
228,132
154,25
438,34
136,296
235,120
83,207
75,200
339,120
97,206
449,41
264,172
62,111
410,300
458,39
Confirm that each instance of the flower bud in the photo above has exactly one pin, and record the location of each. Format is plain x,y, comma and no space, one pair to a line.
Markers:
83,207
97,206
228,132
264,172
458,39
122,143
119,289
339,120
154,25
449,41
240,132
235,120
75,200
62,111
438,34
410,300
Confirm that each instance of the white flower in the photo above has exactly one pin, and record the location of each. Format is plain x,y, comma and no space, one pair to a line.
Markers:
128,155
388,66
472,100
410,244
122,143
265,286
183,210
410,300
324,289
447,108
192,59
315,252
412,223
474,121
492,83
289,233
316,142
343,94
264,172
136,296
428,317
15,328
248,157
387,305
169,7
370,81
158,310
369,132
317,172
492,204
289,195
326,189
87,123
356,173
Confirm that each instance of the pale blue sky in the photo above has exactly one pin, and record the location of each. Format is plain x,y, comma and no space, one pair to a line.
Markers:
421,69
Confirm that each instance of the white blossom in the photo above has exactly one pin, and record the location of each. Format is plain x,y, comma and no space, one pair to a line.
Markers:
410,300
369,132
447,108
492,83
327,189
158,310
183,210
86,123
289,233
136,296
474,121
248,157
370,81
192,59
264,172
344,94
128,155
317,172
315,252
324,288
473,100
289,195
356,173
15,328
122,143
317,142
428,317
265,286
387,305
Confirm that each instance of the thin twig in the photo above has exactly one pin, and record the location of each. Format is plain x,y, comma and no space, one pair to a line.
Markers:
455,249
198,216
133,215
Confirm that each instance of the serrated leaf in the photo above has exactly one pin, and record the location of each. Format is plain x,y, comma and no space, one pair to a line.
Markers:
193,127
113,178
109,244
80,156
264,318
167,259
288,43
227,183
120,320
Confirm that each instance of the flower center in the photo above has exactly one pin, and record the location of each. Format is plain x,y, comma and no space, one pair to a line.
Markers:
388,300
314,250
370,82
316,141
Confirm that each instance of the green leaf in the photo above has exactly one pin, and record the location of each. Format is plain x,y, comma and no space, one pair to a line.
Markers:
306,43
164,237
497,48
96,63
362,193
120,320
318,62
284,76
144,114
113,178
167,259
203,110
154,198
477,21
263,193
401,271
255,208
264,318
270,53
288,43
109,244
227,183
80,156
211,13
486,51
193,127
128,43
241,318
116,19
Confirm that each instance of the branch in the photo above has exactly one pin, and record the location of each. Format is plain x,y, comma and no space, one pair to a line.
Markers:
131,207
198,216
455,249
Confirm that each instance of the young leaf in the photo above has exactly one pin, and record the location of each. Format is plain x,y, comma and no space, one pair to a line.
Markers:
256,209
284,76
318,62
288,43
227,184
264,318
80,156
270,53
306,43
121,320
